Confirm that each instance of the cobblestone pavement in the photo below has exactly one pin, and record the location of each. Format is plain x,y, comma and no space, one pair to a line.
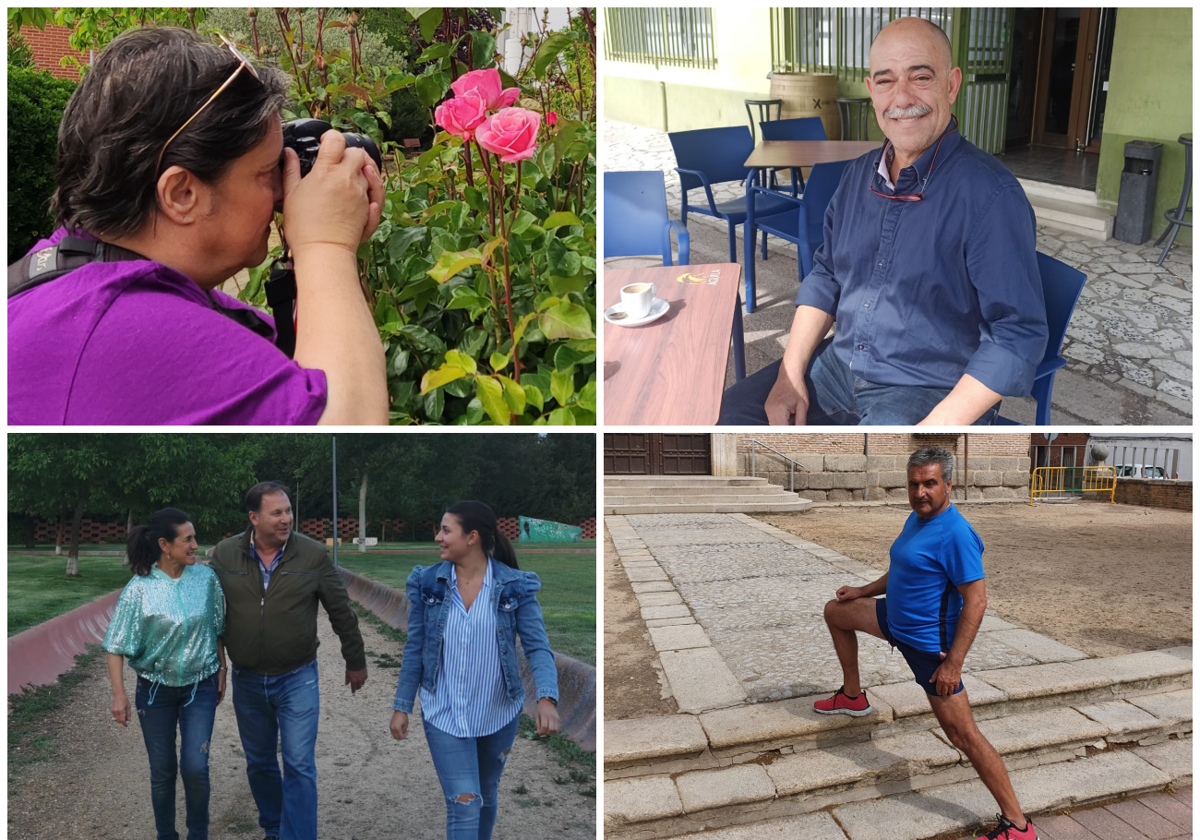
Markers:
761,601
1128,348
1154,816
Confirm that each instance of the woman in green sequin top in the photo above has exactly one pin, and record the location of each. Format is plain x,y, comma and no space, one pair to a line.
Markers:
167,622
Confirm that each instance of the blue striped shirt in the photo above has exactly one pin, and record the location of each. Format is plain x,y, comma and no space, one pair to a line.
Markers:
470,700
267,570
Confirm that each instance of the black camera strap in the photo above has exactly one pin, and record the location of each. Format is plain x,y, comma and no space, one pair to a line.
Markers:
71,253
281,297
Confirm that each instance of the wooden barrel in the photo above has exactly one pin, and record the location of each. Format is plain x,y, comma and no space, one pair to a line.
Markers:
809,95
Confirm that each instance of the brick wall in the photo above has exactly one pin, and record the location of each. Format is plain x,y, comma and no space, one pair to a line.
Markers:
1174,495
49,47
833,468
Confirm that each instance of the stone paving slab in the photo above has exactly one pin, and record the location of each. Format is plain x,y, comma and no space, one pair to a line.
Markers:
1122,718
674,611
679,638
704,789
642,587
1036,645
669,622
1043,680
637,800
700,680
658,599
1038,729
1173,757
1130,667
785,720
938,810
649,573
643,739
805,827
898,757
908,699
1172,708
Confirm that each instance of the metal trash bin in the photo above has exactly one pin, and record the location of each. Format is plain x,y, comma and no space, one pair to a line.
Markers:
1139,183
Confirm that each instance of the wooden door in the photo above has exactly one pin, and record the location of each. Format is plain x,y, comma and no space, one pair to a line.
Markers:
656,454
627,454
1068,62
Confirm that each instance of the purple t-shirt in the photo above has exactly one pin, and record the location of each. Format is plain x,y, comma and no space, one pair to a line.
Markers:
138,343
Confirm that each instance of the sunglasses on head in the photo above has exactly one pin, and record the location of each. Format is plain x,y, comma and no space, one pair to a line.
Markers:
243,64
924,184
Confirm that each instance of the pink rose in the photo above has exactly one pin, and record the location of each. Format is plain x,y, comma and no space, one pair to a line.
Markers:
462,114
487,84
510,133
551,118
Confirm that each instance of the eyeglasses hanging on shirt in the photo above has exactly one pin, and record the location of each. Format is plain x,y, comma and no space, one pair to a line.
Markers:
908,197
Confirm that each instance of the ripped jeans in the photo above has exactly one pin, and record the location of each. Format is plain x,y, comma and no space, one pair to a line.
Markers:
160,710
469,769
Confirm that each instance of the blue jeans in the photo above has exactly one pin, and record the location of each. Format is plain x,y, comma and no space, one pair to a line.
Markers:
469,769
160,710
270,709
836,397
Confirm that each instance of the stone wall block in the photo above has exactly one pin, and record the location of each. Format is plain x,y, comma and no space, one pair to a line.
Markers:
986,478
876,494
820,481
850,480
814,495
1008,462
840,496
1016,478
878,463
894,479
845,463
898,493
1000,493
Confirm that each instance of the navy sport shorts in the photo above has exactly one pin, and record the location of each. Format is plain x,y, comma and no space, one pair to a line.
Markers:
922,663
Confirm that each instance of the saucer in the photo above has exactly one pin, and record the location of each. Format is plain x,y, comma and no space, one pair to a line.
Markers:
616,314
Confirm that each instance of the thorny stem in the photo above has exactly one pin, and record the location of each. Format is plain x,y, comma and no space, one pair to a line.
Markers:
492,198
512,333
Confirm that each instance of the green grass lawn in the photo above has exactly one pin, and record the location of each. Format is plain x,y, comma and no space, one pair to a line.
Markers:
39,589
568,595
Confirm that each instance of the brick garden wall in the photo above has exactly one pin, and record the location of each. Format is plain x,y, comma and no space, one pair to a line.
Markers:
833,468
1174,495
49,47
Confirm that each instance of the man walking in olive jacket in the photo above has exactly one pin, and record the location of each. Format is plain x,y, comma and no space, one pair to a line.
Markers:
273,580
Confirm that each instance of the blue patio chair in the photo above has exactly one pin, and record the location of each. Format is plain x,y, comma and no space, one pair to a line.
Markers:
636,224
803,225
635,217
801,128
1061,286
710,156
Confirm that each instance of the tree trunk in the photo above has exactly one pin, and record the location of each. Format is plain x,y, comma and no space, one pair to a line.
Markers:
76,526
362,514
60,531
31,532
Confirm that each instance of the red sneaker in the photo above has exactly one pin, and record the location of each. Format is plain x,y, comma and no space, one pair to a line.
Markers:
1007,831
840,704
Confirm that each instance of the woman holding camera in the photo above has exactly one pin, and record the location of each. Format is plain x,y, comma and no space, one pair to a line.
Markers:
464,616
171,154
167,622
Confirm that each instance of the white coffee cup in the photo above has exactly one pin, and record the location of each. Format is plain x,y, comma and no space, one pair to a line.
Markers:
637,298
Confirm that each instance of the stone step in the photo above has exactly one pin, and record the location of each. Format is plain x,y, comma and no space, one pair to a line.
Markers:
758,731
881,773
683,481
941,810
1073,195
626,491
792,505
1082,219
671,498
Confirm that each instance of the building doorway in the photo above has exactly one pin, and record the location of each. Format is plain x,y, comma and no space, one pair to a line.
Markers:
640,453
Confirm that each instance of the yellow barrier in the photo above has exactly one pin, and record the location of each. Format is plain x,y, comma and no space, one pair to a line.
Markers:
1047,480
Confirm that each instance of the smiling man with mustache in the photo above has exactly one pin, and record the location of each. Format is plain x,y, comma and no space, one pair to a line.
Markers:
928,266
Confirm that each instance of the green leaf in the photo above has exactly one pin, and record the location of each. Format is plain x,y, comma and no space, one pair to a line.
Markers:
566,320
402,239
500,361
431,88
520,327
437,378
429,20
451,263
491,397
522,222
483,50
562,261
533,396
462,360
549,51
561,285
567,357
562,218
460,387
562,385
474,413
464,297
432,52
422,337
559,417
514,395
587,397
435,403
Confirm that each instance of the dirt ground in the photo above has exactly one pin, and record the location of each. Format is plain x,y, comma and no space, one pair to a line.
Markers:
370,786
631,685
1104,579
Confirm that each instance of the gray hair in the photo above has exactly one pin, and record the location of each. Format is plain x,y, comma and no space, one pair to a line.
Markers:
934,455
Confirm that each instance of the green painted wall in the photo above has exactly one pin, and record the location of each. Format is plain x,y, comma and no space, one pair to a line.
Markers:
641,102
1149,98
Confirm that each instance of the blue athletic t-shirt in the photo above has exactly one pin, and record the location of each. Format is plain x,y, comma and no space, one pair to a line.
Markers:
930,558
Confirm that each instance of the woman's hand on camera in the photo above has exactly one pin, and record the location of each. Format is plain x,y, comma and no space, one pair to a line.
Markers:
399,725
547,717
338,203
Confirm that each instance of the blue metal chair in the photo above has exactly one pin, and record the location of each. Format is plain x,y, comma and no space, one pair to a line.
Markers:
803,225
801,128
635,217
710,156
1061,286
636,224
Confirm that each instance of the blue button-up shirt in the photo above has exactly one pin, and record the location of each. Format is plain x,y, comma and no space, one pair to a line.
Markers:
926,291
267,568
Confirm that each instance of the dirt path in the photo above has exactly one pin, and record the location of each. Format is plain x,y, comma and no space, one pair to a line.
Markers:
370,786
1104,579
631,686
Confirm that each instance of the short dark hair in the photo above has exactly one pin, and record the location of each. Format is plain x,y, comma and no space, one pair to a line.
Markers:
933,455
141,89
254,496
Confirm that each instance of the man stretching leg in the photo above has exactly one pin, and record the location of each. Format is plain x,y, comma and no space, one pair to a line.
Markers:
934,605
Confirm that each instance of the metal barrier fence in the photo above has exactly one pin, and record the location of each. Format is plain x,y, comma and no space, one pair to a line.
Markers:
1059,481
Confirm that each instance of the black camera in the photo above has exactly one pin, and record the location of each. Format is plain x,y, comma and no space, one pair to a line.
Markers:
305,137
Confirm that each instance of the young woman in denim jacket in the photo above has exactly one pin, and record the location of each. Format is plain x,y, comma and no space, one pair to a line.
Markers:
167,621
464,616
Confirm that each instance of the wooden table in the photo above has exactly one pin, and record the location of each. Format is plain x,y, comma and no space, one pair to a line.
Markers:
788,154
672,372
